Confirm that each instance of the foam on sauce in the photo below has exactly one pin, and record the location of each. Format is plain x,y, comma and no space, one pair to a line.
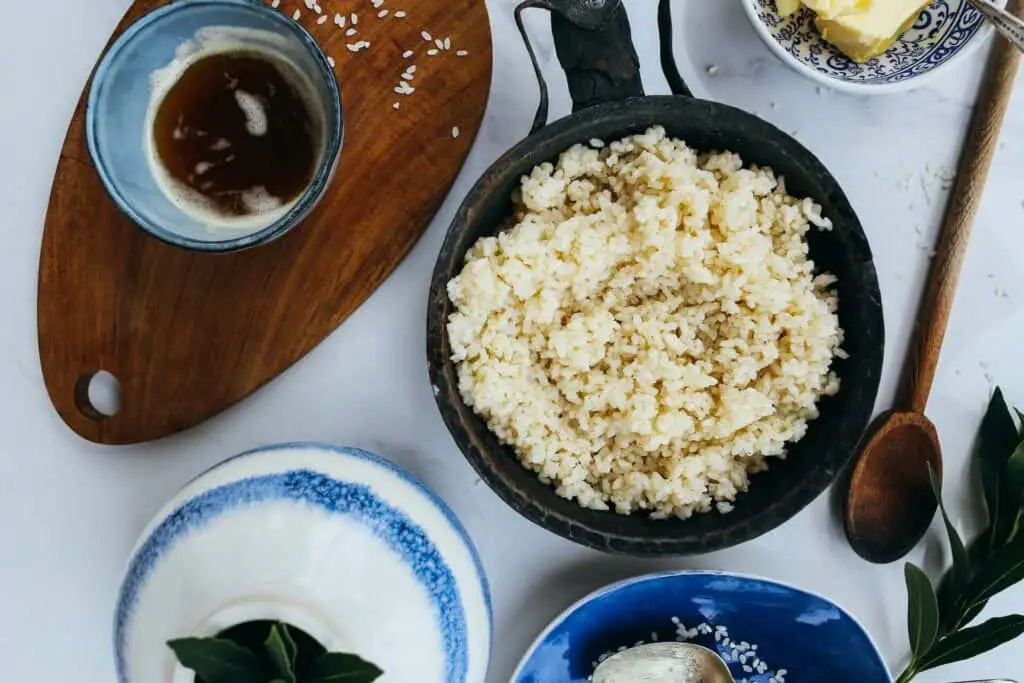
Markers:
216,182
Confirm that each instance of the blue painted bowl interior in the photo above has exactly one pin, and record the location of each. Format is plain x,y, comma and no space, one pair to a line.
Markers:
811,638
942,30
119,99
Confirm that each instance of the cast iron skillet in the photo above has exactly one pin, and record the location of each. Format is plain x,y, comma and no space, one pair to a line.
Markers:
593,43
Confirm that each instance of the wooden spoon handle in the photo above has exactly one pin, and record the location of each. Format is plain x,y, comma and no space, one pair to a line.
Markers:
975,160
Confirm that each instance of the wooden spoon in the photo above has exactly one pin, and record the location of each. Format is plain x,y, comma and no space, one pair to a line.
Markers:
890,504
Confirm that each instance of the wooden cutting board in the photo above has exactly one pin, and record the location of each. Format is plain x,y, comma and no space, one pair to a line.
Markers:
187,335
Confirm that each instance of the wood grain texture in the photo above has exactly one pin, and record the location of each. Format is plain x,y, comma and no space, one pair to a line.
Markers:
975,160
890,504
188,334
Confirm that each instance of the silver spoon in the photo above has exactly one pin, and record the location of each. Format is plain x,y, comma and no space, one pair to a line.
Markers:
663,663
1011,27
677,663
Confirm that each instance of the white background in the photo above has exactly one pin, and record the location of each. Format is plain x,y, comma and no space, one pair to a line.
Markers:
70,510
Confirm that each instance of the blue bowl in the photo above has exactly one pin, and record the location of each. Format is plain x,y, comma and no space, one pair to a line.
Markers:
802,636
945,32
340,543
119,100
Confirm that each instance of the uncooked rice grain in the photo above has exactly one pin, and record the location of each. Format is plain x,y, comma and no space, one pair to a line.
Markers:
649,330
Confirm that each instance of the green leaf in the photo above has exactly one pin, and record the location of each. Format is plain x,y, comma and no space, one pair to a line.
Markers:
282,651
922,610
286,635
217,660
972,612
973,641
951,585
334,667
1003,569
1014,489
997,439
961,563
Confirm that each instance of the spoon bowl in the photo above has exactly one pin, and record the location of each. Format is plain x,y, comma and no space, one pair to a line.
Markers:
890,504
664,663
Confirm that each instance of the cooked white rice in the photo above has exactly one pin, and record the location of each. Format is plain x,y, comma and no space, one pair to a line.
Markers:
650,330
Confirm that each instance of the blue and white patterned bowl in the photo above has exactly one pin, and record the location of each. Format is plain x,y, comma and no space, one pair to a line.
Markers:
767,632
944,33
336,541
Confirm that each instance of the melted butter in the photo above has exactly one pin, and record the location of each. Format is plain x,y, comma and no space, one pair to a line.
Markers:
866,34
861,29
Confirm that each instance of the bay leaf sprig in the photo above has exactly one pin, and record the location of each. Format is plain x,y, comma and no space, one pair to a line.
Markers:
278,660
939,621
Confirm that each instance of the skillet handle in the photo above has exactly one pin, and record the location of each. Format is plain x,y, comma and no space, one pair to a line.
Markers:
668,57
594,44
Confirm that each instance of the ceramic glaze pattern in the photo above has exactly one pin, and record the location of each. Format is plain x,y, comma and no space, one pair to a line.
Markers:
813,639
942,30
356,501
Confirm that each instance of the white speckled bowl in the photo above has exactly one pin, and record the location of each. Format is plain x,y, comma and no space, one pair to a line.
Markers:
335,541
943,34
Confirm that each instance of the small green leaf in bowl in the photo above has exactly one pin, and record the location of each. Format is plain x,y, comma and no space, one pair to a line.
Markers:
216,660
282,652
334,667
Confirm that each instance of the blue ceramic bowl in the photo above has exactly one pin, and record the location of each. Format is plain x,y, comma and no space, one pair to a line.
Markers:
337,542
798,635
945,31
119,100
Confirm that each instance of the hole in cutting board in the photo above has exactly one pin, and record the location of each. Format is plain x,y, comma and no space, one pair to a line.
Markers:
98,395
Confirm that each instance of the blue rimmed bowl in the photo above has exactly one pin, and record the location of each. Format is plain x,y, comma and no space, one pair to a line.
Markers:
766,631
337,542
118,106
944,33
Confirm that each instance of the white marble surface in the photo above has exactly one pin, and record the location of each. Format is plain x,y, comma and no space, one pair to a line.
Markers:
70,510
